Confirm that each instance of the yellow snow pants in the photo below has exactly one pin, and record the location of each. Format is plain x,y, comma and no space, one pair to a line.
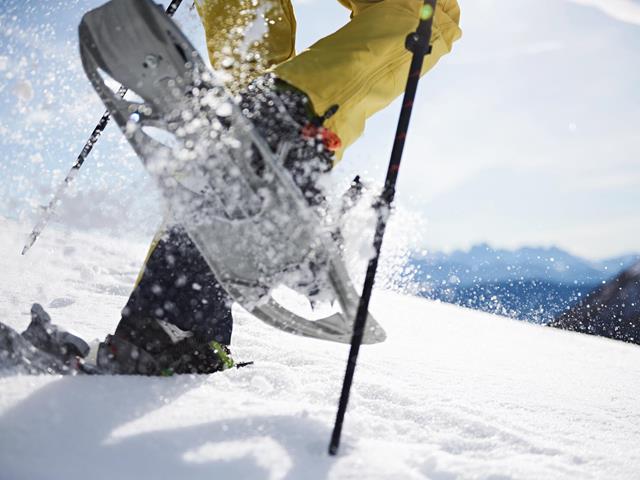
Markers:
362,67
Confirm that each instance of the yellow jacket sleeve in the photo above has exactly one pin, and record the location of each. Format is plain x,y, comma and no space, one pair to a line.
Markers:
245,40
364,66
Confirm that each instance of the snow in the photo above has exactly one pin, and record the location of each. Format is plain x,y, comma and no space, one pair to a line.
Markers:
451,394
24,91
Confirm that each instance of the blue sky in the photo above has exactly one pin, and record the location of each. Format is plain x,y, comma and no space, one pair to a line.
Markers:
527,134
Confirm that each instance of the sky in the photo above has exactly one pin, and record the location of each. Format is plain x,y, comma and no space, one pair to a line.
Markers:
526,134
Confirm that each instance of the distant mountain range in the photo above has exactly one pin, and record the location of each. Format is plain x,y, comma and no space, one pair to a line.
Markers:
534,284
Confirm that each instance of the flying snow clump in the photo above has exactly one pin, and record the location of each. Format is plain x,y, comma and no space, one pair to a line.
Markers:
23,90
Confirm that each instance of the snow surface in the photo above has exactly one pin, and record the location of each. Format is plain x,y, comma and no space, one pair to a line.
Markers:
452,393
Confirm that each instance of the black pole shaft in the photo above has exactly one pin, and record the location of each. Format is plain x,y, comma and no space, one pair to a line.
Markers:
418,43
49,210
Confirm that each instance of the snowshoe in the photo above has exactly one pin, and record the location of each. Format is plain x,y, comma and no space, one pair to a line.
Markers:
19,355
237,192
45,336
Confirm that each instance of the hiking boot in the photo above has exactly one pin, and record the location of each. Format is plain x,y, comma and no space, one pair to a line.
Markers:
155,347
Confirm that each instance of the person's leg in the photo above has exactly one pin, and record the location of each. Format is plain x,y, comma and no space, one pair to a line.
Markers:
176,286
363,66
177,319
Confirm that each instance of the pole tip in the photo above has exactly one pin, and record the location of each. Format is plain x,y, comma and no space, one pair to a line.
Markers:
29,243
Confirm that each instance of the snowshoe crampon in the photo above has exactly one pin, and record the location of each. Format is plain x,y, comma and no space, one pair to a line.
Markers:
252,225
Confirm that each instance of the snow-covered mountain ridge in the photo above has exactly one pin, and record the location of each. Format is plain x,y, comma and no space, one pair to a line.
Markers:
483,263
534,284
453,393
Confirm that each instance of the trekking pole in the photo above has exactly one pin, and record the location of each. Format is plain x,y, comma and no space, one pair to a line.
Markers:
418,43
49,210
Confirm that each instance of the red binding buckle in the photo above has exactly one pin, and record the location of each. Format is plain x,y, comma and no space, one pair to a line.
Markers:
330,140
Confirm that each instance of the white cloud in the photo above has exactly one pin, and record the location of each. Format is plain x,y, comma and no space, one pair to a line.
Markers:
508,52
623,10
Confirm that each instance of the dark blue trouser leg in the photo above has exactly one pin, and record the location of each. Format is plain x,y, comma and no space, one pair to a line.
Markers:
177,286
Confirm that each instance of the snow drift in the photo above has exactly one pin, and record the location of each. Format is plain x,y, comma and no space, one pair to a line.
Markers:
452,393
